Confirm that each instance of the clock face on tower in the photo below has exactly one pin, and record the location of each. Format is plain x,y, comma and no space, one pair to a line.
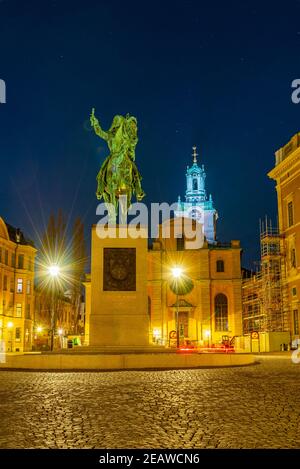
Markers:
195,214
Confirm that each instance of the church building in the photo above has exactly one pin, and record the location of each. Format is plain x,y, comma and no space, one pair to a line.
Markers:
211,311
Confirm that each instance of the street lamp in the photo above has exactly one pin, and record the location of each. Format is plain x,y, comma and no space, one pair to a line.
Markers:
54,272
177,274
207,335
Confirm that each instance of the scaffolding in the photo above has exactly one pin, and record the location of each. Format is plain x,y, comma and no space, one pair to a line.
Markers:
264,293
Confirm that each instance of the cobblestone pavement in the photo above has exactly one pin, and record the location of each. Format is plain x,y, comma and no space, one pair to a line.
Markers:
247,407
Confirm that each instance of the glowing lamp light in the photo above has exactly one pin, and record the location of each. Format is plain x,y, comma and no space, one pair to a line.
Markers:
10,324
156,332
207,334
39,329
176,272
54,270
60,331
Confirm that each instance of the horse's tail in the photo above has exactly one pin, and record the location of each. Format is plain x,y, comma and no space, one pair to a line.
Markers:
101,179
100,186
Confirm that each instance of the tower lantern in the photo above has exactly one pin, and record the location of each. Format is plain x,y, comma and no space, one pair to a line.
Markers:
197,205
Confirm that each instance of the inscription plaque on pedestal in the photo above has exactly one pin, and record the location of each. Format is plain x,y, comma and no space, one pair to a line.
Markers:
119,269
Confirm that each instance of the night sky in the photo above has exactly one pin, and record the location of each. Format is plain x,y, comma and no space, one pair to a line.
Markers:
213,74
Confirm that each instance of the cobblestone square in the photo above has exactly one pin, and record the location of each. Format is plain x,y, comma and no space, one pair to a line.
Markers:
244,407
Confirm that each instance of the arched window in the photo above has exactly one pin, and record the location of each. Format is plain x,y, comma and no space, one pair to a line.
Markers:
221,312
220,265
195,184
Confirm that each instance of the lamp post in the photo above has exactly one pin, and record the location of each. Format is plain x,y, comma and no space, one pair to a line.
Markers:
177,273
54,272
37,331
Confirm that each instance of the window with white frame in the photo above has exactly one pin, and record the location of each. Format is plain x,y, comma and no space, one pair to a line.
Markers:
20,285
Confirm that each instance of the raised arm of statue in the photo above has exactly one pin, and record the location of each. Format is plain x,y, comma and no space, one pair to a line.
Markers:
96,126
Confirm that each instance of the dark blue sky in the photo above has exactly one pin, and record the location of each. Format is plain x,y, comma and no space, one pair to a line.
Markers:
214,74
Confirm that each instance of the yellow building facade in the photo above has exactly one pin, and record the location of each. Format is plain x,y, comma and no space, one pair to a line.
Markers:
286,173
17,257
212,311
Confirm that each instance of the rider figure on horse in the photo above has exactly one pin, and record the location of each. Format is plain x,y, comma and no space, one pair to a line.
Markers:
118,175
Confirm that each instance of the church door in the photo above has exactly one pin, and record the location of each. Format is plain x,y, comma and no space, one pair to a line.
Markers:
183,322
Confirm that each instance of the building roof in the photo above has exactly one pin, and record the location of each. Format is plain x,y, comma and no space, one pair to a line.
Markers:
17,236
286,157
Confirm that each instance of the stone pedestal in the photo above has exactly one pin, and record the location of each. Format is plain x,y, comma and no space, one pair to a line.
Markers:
119,302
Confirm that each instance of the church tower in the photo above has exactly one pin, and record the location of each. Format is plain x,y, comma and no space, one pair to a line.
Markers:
197,205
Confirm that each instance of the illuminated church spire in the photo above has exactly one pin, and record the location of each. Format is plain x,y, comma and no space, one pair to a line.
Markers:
195,154
197,205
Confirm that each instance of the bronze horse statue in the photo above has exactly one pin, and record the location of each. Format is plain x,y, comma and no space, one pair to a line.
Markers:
118,175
